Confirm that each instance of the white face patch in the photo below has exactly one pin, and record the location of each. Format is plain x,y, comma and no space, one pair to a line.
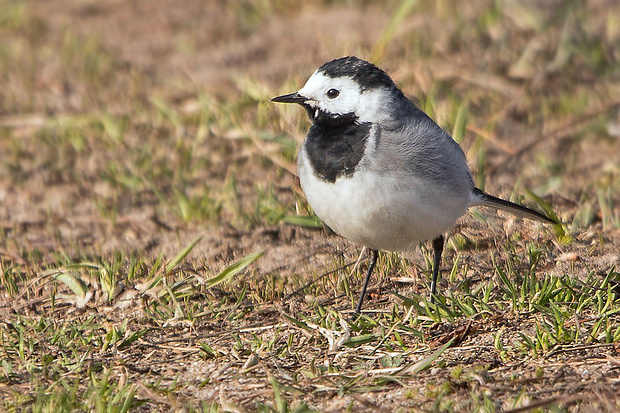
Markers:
368,106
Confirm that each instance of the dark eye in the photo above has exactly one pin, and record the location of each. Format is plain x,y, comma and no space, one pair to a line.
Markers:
332,93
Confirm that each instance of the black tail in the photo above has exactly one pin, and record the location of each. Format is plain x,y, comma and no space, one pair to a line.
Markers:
482,198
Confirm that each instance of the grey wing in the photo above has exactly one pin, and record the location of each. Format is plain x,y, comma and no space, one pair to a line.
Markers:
418,147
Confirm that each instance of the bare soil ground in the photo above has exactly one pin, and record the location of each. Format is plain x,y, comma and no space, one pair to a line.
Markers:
129,129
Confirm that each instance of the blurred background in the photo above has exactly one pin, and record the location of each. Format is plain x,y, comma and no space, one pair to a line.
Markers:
122,120
140,156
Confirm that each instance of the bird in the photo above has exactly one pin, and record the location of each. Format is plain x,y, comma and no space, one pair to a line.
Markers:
377,170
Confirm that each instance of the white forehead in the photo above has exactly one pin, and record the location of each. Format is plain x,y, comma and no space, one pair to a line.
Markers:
317,86
368,105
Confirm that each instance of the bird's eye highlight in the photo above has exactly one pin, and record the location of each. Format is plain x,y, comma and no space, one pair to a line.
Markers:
332,93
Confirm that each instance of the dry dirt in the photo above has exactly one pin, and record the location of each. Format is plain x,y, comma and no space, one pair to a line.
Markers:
202,45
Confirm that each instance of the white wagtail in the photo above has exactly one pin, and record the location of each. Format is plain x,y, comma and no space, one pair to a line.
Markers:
377,170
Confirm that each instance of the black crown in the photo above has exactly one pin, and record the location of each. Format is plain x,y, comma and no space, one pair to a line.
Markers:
367,75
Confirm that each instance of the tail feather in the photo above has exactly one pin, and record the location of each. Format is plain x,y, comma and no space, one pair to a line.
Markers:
481,198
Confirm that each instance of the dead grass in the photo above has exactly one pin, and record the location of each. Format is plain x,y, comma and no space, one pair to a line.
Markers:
129,131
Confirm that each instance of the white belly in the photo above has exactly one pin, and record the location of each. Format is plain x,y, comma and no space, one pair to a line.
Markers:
382,213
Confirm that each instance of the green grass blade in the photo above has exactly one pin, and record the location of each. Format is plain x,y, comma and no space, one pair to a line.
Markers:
298,323
406,6
181,255
281,404
303,221
234,269
131,338
460,123
558,228
426,362
76,285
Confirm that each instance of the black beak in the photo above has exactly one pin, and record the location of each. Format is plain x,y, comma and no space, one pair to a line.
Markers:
290,98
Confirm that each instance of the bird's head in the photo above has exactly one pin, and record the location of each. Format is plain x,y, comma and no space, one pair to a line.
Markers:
346,88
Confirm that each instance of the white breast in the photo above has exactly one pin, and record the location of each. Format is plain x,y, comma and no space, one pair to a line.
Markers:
379,211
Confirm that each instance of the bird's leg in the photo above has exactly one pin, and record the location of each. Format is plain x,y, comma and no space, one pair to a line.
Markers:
437,249
371,266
